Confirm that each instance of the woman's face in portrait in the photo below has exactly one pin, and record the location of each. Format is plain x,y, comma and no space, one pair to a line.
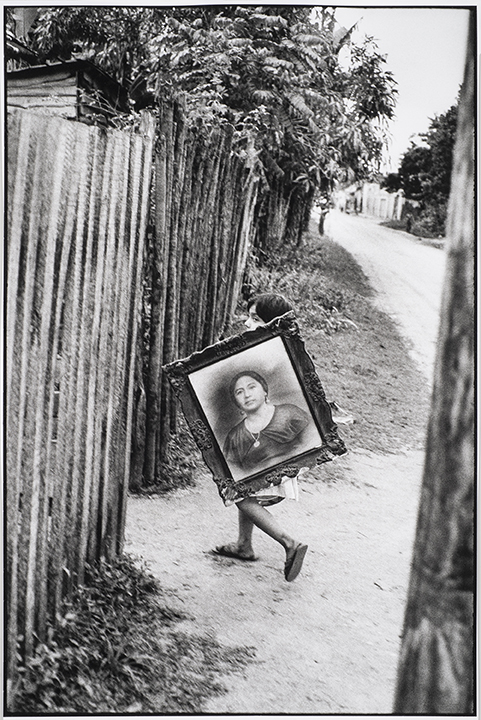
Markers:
253,321
249,394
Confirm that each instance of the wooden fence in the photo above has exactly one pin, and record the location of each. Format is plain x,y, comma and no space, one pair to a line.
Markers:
99,226
78,199
204,198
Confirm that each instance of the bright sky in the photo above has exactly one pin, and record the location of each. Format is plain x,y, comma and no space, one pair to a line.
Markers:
425,49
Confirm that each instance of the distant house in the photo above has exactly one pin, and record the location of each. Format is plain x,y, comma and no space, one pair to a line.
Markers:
76,90
380,203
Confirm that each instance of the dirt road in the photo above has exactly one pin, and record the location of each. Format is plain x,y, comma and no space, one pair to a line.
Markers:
328,642
406,274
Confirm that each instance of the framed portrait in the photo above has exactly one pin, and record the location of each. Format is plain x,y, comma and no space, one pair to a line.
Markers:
256,408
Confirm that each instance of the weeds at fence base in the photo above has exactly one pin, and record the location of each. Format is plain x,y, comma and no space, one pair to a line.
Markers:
116,650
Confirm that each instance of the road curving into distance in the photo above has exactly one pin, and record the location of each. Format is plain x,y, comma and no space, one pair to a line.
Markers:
406,274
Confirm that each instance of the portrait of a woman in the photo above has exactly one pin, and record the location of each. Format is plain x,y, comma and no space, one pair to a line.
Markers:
267,432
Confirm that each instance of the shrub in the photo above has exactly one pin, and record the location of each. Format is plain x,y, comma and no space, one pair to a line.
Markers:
114,650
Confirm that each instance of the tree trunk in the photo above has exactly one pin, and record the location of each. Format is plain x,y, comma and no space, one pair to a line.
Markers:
435,674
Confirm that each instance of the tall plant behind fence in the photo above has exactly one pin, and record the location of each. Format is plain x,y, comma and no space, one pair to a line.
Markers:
77,208
204,200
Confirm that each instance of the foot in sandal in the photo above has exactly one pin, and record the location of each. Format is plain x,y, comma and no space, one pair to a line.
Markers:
294,560
233,551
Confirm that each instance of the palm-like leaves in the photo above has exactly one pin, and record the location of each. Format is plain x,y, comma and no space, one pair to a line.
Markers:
271,71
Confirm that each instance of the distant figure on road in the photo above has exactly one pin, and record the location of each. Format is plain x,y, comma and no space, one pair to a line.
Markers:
323,207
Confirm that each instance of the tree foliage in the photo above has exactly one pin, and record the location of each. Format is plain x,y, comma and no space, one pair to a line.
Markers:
272,69
414,171
441,138
425,170
275,73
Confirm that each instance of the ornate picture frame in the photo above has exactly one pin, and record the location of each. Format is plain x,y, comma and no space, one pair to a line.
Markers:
301,432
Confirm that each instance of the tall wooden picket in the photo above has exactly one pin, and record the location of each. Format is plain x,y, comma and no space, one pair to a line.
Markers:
76,218
204,199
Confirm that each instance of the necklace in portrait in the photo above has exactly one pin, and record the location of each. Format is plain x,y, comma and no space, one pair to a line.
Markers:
256,437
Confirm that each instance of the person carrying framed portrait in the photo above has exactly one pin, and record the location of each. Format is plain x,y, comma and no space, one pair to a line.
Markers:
258,412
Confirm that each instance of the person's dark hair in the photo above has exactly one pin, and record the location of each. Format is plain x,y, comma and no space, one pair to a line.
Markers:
269,306
248,373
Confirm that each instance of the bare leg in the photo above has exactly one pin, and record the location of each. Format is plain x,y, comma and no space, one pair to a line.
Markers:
243,546
262,518
246,526
251,513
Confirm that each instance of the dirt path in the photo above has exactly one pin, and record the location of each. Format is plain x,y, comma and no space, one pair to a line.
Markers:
328,642
406,274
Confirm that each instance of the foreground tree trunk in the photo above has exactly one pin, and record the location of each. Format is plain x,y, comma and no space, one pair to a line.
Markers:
435,673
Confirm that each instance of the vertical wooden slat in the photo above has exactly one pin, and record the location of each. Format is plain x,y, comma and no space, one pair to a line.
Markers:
22,443
226,218
245,232
44,359
168,129
17,188
215,210
103,354
117,357
136,248
69,397
93,359
178,179
193,232
61,232
212,182
157,303
203,236
185,234
83,332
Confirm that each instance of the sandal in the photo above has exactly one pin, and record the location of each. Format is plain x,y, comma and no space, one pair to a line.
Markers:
293,565
230,552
